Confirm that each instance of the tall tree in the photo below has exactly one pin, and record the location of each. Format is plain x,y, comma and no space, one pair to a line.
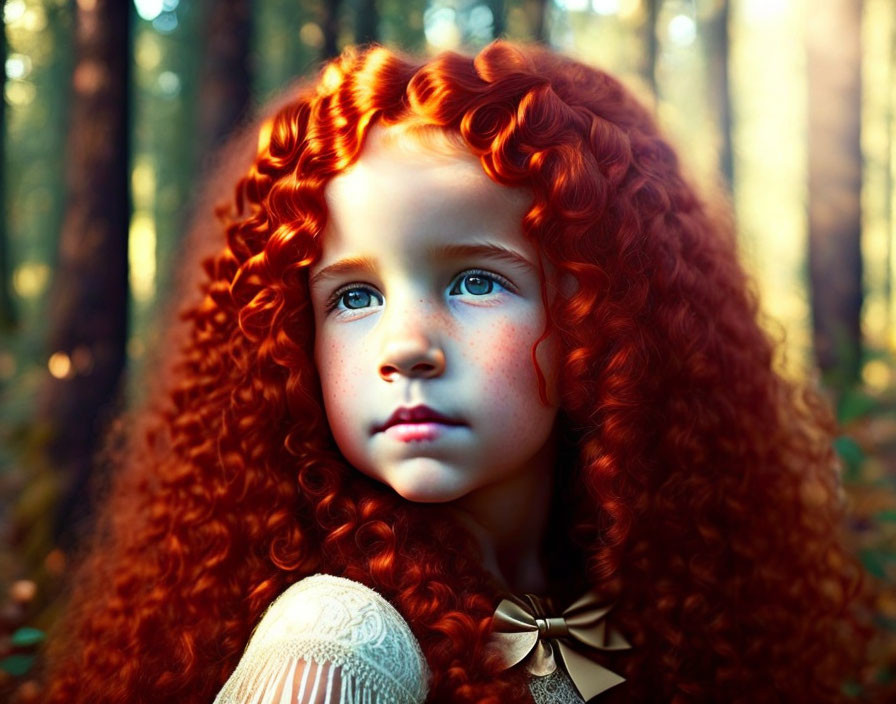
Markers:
367,22
889,205
401,22
499,17
164,135
538,17
835,181
718,51
7,311
279,52
87,313
224,83
651,44
330,26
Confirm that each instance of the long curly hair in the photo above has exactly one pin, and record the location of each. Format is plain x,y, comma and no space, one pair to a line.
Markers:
697,487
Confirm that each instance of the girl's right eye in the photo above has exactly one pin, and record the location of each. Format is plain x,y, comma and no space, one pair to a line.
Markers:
354,298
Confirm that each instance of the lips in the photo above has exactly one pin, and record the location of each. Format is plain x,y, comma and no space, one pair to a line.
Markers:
417,414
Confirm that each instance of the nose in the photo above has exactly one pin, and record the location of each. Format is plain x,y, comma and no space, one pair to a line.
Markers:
411,351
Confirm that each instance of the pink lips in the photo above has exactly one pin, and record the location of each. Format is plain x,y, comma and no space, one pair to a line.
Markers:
417,423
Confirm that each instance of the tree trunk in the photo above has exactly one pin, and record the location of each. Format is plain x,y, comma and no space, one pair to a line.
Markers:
224,83
835,180
277,45
499,17
330,26
87,324
367,25
538,12
717,40
402,23
651,45
889,209
7,310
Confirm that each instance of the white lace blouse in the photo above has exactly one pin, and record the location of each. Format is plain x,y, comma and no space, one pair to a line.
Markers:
330,640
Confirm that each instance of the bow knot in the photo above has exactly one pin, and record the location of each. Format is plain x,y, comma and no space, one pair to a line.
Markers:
552,627
523,629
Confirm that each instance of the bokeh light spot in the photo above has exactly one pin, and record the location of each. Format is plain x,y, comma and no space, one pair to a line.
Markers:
573,5
605,7
877,374
13,11
440,27
149,9
312,35
30,278
20,93
60,365
35,19
23,591
142,256
165,23
54,562
18,66
143,184
682,30
169,83
148,52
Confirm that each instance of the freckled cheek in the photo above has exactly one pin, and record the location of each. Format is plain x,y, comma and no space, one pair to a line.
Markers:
503,353
340,366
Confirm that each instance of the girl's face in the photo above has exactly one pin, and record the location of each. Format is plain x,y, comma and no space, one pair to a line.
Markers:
427,304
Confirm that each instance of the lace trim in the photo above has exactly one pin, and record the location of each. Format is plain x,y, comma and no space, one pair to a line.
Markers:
345,629
293,682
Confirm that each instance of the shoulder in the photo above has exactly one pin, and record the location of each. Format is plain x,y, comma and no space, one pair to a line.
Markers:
344,625
333,608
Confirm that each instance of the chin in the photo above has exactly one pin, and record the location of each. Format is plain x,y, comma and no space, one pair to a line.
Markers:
424,483
426,496
426,492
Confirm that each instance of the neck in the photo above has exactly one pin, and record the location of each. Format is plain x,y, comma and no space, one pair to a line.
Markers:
509,520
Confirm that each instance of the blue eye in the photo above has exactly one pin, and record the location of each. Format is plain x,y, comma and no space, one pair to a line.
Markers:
478,283
355,299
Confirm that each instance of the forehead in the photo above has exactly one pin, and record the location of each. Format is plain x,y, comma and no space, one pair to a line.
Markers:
421,184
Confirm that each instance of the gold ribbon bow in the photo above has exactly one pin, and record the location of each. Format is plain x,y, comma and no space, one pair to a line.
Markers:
522,628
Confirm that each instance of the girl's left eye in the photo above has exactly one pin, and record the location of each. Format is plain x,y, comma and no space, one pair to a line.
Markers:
354,298
478,283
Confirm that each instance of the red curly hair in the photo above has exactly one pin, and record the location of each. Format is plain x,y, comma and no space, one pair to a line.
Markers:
698,487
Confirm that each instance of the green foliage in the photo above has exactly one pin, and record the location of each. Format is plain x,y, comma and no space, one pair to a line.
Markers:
17,665
852,689
867,448
852,455
27,636
875,562
855,404
886,675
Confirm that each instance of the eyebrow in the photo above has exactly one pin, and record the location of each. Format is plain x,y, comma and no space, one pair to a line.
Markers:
446,251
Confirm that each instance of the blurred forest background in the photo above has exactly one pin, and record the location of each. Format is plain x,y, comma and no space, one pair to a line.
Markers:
114,109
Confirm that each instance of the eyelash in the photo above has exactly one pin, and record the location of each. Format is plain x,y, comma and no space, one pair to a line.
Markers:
497,278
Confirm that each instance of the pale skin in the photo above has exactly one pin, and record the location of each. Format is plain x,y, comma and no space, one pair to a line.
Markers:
428,293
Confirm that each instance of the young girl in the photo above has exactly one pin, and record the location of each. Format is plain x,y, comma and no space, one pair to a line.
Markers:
476,388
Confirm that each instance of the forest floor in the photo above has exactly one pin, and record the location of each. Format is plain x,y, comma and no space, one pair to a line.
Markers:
867,447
